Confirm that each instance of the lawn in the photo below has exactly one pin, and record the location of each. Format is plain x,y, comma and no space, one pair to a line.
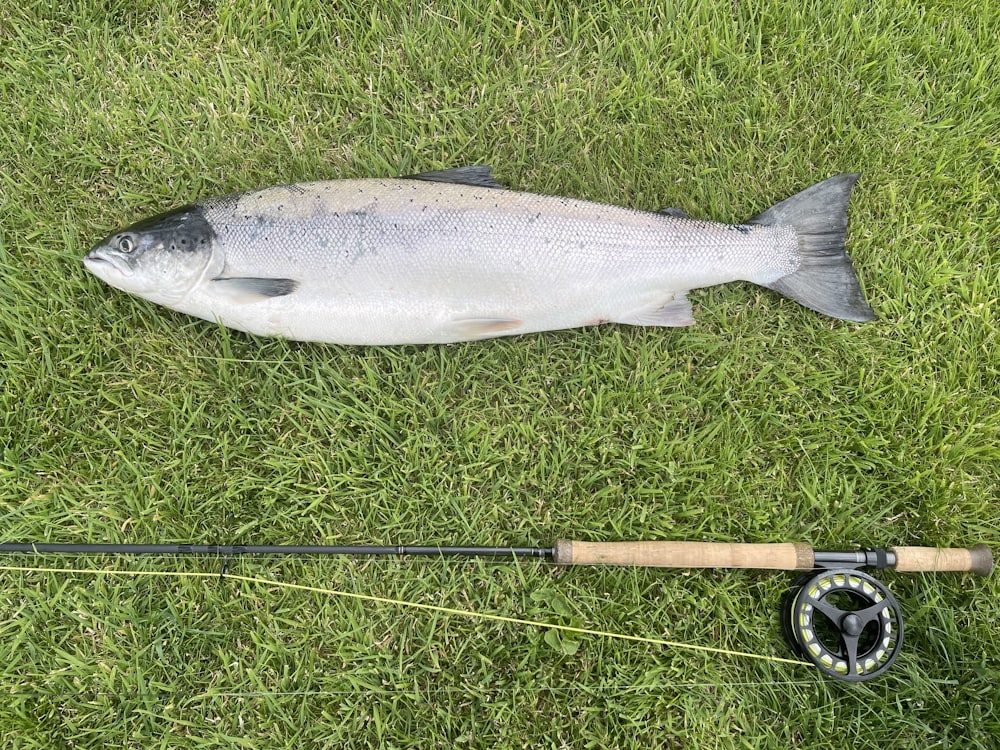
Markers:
125,422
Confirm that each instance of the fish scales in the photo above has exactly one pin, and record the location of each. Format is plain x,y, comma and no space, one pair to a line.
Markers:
455,253
395,261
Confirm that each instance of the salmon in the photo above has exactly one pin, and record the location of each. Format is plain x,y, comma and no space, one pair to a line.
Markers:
452,256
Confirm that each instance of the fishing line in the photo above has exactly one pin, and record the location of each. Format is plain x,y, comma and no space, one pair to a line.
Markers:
439,609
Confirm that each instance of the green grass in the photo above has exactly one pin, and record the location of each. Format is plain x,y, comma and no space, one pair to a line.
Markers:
122,421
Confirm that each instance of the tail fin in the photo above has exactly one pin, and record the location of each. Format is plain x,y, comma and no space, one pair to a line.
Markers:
825,280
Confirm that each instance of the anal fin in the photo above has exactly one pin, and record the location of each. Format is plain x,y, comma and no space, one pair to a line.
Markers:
677,312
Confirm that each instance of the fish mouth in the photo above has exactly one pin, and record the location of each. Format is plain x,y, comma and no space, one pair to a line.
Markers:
97,260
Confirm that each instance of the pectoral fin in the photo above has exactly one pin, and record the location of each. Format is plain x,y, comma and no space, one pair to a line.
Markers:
247,289
676,312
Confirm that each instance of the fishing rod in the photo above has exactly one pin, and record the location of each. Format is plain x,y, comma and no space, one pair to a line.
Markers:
839,618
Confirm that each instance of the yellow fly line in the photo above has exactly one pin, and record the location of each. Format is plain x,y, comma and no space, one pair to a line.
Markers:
411,605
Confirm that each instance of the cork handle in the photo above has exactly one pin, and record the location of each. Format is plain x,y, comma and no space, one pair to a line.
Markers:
685,554
978,559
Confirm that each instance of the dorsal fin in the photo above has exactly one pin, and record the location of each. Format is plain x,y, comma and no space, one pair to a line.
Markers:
475,175
677,213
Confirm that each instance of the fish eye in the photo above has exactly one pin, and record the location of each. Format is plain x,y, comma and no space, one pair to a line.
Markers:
126,245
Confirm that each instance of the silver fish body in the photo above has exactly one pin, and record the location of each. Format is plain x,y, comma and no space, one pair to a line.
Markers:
450,257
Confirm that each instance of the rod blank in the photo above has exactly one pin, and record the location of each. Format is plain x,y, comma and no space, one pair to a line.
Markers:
229,550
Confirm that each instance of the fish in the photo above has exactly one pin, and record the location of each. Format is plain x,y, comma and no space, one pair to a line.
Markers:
451,255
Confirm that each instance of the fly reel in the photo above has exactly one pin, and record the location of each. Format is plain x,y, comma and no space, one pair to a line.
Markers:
845,622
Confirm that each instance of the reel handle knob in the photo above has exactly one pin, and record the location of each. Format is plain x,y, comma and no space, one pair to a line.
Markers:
977,559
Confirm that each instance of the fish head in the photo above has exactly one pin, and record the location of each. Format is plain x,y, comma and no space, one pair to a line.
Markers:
160,259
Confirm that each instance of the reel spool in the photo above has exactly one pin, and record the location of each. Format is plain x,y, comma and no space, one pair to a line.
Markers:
845,622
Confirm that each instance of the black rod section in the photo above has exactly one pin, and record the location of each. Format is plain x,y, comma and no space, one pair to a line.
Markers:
869,558
226,550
